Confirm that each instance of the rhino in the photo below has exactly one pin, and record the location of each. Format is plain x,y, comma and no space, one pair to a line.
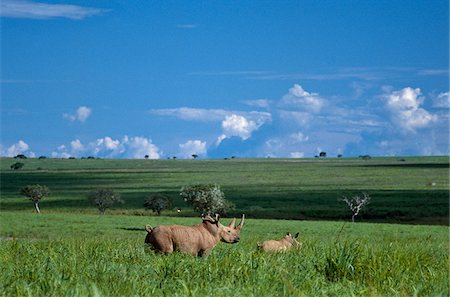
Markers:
282,245
197,240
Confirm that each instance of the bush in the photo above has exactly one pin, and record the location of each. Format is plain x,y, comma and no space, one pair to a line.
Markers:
157,203
206,199
104,198
17,165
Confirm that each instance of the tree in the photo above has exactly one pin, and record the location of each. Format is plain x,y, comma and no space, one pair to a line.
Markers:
206,199
35,193
194,156
17,165
146,156
322,154
104,198
357,203
157,202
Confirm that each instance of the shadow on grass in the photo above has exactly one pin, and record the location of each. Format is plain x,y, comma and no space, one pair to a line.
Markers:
419,206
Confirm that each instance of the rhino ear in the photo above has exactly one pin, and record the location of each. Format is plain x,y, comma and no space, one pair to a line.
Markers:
208,218
148,228
217,217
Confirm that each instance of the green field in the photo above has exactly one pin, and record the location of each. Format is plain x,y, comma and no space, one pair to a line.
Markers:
410,189
71,250
92,255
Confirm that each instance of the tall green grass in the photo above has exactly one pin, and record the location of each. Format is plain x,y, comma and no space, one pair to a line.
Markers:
85,255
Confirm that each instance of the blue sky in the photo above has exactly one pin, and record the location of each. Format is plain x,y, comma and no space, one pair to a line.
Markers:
125,79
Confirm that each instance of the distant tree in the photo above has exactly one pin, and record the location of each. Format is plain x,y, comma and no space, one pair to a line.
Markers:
365,157
35,193
206,199
357,203
42,157
322,154
339,156
17,165
174,157
104,198
20,156
146,156
157,202
194,156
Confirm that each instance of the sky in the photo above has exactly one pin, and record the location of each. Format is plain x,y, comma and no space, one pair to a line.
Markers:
280,79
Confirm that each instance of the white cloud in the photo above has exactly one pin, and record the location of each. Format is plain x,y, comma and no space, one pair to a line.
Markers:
107,143
192,114
107,147
21,147
138,147
262,103
404,106
192,147
39,10
208,115
297,97
236,125
298,118
81,114
442,100
297,155
76,145
299,137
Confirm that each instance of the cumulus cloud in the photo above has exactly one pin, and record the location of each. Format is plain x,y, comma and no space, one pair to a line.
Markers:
405,109
139,147
38,10
240,126
297,97
81,114
107,147
192,147
21,147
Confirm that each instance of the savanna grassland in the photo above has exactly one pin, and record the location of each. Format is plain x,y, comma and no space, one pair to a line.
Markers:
92,255
413,190
71,250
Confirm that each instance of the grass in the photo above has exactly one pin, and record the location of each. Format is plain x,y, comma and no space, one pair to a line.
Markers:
410,189
92,255
70,250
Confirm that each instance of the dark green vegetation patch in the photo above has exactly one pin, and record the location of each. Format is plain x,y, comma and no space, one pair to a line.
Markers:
410,189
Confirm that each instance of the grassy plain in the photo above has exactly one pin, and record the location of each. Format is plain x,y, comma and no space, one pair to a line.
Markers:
410,189
70,250
91,255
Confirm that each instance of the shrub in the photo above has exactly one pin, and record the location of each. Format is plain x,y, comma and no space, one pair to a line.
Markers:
157,203
206,199
104,198
17,165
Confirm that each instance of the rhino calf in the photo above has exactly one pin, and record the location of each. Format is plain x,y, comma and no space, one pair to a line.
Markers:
282,245
197,240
